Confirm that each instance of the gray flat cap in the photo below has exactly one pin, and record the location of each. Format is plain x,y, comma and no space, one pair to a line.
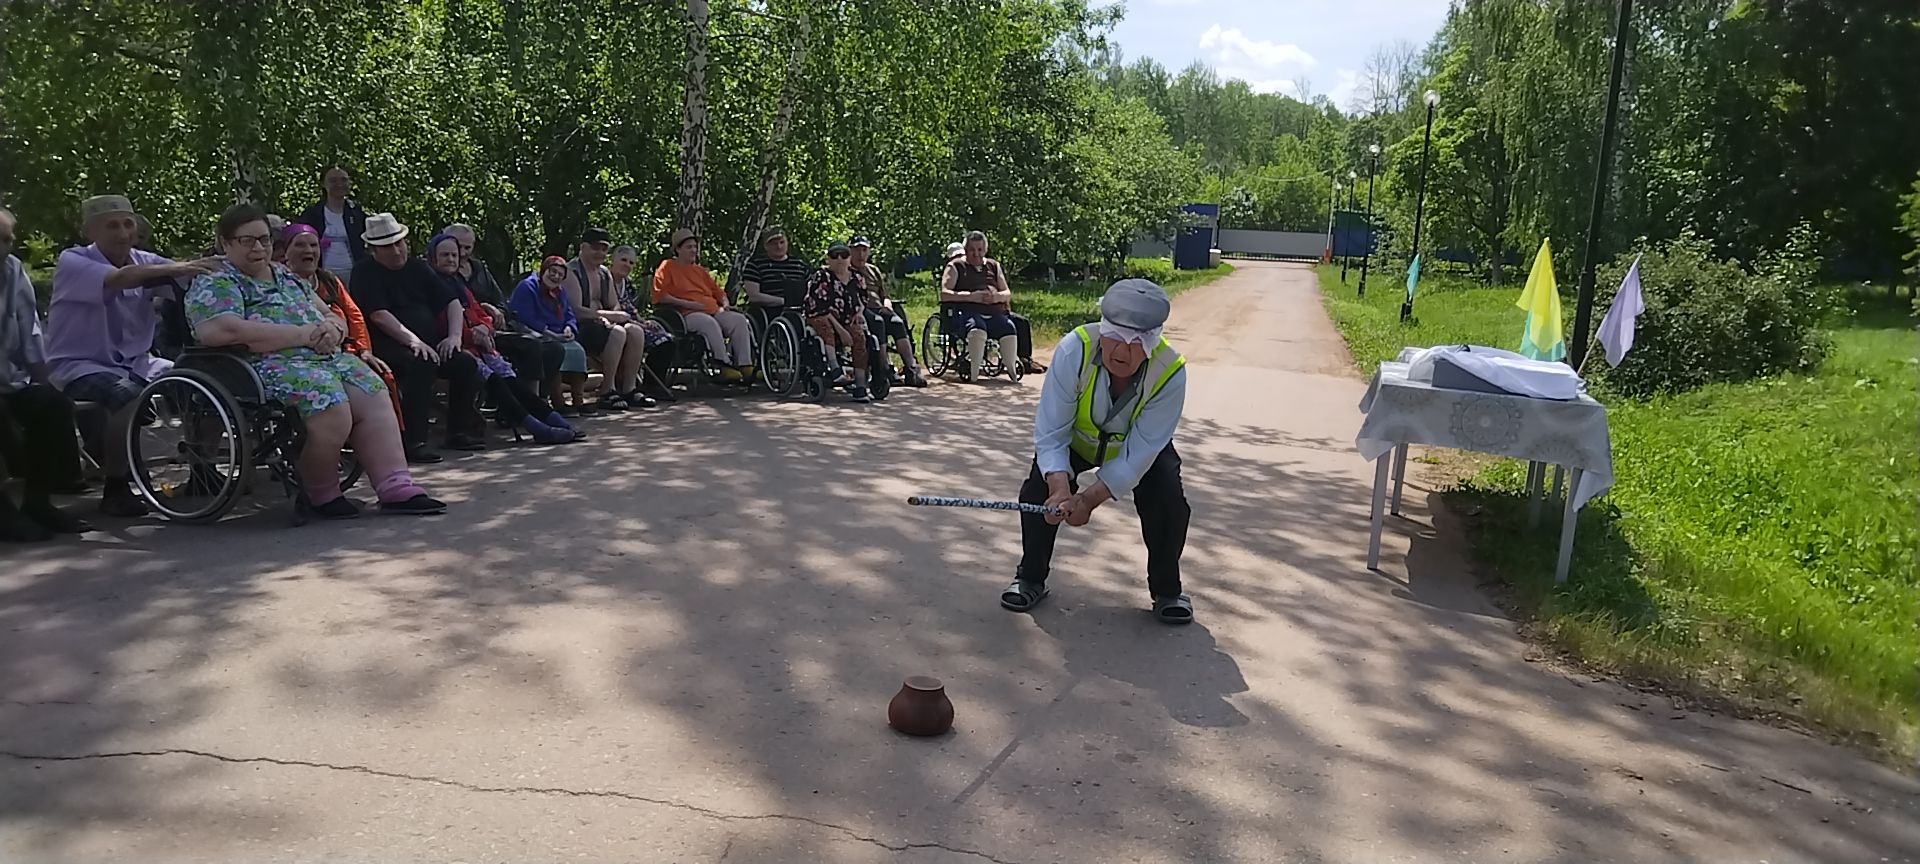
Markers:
1136,304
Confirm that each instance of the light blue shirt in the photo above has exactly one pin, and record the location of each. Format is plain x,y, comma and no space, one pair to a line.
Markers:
20,334
1053,422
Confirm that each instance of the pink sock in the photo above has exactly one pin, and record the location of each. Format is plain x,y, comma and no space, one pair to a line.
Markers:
397,486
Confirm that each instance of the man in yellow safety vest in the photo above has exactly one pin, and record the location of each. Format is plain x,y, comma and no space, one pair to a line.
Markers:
1110,404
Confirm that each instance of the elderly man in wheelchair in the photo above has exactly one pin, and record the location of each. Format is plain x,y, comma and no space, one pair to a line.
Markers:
266,386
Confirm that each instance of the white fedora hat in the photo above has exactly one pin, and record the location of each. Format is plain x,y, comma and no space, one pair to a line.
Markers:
383,229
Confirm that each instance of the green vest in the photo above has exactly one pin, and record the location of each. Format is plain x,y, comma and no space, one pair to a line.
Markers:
1092,442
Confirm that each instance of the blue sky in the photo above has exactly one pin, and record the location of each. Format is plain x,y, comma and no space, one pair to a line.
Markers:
1276,45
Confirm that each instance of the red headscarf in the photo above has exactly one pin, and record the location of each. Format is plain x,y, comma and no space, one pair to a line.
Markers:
551,261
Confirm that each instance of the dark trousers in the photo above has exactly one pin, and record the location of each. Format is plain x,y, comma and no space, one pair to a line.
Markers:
514,399
536,360
37,438
1159,499
416,376
1023,333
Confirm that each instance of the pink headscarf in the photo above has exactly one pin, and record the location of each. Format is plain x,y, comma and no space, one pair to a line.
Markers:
294,229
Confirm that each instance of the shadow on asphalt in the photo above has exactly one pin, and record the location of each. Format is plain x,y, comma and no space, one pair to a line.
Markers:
799,585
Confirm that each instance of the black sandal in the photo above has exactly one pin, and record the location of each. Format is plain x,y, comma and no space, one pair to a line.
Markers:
1173,610
1022,595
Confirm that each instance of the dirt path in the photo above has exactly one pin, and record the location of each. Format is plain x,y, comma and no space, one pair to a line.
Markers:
677,645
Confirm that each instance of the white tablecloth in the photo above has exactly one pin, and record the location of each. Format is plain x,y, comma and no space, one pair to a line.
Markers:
1571,433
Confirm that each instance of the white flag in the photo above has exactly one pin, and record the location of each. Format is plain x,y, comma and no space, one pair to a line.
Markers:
1616,330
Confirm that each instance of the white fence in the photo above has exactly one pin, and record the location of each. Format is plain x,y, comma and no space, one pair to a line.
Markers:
1271,244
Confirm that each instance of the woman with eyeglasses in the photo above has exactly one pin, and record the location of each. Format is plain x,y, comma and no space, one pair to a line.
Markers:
834,305
296,344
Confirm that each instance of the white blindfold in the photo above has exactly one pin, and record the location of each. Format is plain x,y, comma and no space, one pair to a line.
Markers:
1128,334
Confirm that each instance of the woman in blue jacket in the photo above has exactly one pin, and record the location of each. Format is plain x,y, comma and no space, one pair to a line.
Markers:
539,303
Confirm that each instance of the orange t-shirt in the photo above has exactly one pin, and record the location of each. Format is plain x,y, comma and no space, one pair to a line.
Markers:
687,282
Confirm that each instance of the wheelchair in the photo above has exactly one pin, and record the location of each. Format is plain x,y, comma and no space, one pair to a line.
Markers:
205,428
793,358
690,353
943,347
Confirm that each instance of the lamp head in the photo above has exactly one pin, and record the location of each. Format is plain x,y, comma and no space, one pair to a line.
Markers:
1433,98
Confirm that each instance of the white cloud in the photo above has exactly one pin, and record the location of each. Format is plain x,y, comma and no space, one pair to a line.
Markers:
1343,91
1267,67
1231,48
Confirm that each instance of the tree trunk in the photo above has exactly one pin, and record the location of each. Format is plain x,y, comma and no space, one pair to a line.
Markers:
693,123
770,155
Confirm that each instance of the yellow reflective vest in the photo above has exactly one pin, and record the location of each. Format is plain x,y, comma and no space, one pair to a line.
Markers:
1092,439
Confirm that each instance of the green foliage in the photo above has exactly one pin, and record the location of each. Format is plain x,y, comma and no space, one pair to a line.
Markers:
1708,320
1760,539
534,118
1160,270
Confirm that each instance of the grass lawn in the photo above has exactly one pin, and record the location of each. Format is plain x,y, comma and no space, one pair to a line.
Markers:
1053,312
1759,543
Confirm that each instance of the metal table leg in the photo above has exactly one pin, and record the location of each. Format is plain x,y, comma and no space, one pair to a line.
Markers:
1536,473
1399,475
1570,518
1379,505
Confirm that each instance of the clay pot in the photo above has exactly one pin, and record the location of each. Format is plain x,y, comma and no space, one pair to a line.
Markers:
921,707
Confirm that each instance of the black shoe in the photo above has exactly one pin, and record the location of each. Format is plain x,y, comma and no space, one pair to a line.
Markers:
119,501
468,443
613,402
858,393
339,508
418,505
16,527
423,456
55,519
637,399
915,379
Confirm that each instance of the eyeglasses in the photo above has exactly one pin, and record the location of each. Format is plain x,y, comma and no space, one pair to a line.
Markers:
261,240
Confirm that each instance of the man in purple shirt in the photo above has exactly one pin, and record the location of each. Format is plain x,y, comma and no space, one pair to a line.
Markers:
100,327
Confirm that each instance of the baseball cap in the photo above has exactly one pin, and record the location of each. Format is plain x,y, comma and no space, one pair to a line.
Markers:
102,205
838,249
1134,310
955,248
596,235
860,240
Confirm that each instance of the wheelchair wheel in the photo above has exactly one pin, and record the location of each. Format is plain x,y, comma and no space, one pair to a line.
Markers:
879,369
934,353
780,366
189,451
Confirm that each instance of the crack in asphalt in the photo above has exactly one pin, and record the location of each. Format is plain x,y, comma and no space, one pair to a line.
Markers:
506,790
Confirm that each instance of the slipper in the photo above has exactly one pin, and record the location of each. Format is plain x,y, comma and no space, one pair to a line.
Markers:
1022,595
1173,610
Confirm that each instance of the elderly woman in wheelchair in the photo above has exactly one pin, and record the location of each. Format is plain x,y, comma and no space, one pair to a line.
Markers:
293,344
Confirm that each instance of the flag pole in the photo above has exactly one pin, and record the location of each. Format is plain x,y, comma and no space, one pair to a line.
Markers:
1583,309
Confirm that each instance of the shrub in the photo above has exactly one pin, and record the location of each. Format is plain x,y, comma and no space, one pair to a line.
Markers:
1160,270
1708,319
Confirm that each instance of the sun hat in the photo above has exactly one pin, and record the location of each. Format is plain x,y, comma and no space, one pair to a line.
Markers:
1134,310
384,230
955,248
681,236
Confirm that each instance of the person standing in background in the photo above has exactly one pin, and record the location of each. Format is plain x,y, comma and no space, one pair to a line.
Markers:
341,223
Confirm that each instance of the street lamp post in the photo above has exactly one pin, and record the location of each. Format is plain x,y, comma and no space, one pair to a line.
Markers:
1583,303
1366,255
1353,184
1420,199
1333,197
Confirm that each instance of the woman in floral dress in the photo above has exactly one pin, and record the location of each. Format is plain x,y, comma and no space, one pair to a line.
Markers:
296,344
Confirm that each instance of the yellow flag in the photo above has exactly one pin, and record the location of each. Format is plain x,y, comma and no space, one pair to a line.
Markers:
1542,340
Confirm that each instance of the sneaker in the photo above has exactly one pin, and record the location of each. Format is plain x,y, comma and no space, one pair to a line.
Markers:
418,505
468,443
858,393
55,519
118,500
16,527
422,456
915,379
